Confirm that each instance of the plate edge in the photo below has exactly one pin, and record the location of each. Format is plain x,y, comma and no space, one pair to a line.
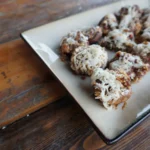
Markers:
105,139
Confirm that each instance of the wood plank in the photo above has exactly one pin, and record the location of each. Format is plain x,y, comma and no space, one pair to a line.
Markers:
63,125
19,15
26,84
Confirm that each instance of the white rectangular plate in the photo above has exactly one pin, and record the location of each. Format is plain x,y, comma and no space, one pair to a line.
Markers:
111,125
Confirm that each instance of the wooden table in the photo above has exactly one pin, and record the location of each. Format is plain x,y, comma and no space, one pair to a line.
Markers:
26,85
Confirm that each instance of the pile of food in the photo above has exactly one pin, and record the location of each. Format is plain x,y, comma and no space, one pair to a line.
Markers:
127,33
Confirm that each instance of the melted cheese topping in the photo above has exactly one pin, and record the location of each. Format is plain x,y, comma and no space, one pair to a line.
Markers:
132,11
127,62
128,18
92,31
110,87
146,33
125,21
142,49
81,36
146,18
119,37
147,22
110,20
71,38
87,58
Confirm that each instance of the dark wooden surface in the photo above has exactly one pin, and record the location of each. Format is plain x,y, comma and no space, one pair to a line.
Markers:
27,85
17,16
63,125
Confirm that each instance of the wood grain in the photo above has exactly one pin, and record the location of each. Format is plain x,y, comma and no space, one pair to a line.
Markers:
26,84
19,15
63,125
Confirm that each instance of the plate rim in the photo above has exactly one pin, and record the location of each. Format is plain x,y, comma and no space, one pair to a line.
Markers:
103,137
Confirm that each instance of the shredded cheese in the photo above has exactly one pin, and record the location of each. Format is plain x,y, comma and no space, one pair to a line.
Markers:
146,33
142,49
86,58
110,20
132,13
110,88
127,62
118,37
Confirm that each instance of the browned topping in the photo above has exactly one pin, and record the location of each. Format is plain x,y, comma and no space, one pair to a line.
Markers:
124,105
65,48
138,28
118,54
98,81
145,42
97,92
126,30
109,88
122,99
131,36
94,34
96,38
124,11
106,93
125,80
136,61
